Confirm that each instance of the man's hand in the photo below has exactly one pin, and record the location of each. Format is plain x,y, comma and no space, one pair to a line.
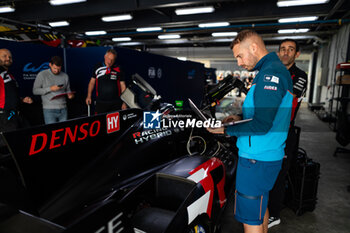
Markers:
27,100
55,88
124,106
220,130
231,118
88,100
70,96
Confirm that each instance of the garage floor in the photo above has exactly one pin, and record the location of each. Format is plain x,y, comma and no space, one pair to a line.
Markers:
332,213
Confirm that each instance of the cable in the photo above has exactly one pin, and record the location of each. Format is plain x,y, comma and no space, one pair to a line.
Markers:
189,141
219,147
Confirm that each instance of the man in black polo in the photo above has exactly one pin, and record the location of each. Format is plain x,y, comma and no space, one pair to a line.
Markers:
9,95
110,84
288,52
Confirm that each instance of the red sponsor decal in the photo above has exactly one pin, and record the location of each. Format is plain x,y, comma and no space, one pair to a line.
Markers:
137,135
113,122
208,182
59,137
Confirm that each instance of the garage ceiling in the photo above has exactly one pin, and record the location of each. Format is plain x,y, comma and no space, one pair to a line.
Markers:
29,21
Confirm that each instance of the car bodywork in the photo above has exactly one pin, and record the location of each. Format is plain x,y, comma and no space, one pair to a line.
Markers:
107,173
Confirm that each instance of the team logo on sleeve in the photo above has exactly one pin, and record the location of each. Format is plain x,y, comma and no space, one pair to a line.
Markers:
271,78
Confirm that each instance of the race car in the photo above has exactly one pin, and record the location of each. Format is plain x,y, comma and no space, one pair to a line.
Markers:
109,173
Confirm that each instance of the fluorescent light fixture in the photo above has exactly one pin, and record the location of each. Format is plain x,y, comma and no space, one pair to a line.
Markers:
149,29
129,44
6,9
300,2
290,37
301,30
194,10
117,18
167,37
223,34
63,2
95,33
9,39
43,26
182,58
218,24
222,40
175,41
59,24
298,19
116,39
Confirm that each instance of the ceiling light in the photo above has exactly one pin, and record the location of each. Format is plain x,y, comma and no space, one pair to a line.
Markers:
116,39
43,26
182,58
117,18
300,2
63,2
298,19
218,24
301,30
6,9
290,37
95,33
150,29
222,34
129,44
59,24
194,10
175,41
222,40
166,37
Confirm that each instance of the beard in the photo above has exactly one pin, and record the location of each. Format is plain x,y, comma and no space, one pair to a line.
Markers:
287,60
6,64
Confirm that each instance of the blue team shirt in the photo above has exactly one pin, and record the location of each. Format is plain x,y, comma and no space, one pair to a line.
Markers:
269,104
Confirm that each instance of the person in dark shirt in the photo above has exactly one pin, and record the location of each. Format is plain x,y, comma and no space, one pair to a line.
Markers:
9,96
110,84
288,52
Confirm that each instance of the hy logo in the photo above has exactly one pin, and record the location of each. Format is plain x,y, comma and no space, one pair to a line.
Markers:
151,120
29,68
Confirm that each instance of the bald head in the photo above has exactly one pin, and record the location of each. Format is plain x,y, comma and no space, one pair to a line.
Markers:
5,58
248,47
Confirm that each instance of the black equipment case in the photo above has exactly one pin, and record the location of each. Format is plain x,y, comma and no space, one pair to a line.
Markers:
303,179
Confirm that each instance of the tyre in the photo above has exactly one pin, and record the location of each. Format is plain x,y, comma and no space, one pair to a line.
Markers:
202,225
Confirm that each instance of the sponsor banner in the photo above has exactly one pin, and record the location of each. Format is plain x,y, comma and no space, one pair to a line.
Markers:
49,155
28,61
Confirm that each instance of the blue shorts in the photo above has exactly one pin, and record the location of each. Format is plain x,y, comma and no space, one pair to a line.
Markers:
254,180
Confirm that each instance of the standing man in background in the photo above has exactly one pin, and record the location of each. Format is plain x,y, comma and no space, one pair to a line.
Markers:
110,84
53,86
288,51
9,96
260,141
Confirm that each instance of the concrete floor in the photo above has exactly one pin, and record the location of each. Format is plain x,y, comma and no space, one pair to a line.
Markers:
332,213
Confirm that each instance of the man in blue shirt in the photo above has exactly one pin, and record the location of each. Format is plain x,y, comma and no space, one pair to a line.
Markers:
260,141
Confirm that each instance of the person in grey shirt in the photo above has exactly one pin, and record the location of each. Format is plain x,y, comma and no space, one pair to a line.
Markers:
50,84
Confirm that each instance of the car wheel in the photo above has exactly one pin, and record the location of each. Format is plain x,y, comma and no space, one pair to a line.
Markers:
201,226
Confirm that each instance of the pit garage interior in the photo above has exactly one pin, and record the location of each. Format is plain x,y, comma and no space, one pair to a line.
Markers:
176,53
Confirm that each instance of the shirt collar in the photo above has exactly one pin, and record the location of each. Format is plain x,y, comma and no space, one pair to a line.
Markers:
293,67
267,57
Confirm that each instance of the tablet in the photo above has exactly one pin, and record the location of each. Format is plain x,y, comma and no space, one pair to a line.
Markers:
237,122
197,111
